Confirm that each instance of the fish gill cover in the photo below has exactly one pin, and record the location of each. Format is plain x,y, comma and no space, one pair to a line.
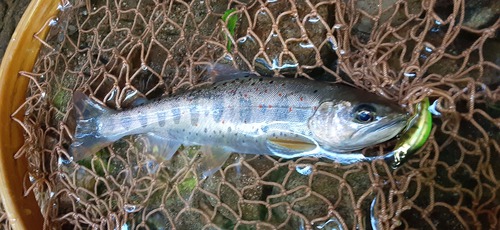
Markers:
118,51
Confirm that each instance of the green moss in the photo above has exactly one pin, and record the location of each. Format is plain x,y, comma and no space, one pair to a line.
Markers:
187,186
61,99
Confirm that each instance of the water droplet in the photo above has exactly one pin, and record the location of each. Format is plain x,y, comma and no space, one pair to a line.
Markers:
130,208
428,49
62,160
332,223
437,26
433,109
338,26
272,1
313,19
51,194
32,178
304,169
124,227
64,7
276,65
342,52
374,214
333,43
306,45
53,22
410,74
152,166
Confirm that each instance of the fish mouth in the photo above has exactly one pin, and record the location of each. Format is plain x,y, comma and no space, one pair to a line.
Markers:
385,124
389,123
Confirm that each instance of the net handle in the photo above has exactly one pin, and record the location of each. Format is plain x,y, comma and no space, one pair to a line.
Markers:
22,210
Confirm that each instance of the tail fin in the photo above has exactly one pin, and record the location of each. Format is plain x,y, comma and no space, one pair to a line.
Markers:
88,138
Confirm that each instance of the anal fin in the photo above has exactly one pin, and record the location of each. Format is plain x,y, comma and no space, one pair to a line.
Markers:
212,160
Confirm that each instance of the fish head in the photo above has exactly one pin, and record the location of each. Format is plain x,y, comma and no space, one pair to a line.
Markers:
348,125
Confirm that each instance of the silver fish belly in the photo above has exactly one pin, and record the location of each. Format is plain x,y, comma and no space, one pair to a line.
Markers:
275,116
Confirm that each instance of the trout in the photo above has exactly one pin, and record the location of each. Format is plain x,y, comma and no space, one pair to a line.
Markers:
282,117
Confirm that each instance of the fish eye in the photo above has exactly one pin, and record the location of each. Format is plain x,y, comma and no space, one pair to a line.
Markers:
364,113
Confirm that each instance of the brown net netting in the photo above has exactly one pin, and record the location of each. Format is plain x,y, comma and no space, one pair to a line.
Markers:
117,51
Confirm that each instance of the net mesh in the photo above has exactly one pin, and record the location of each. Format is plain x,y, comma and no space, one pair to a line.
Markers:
118,51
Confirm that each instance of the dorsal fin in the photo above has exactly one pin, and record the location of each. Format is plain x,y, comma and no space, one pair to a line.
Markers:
221,72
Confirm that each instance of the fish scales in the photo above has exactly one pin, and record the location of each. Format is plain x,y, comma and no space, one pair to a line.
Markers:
276,116
230,112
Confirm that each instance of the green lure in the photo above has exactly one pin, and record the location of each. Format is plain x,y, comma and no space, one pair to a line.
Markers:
416,135
231,24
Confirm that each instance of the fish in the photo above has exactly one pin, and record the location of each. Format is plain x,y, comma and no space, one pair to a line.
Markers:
248,114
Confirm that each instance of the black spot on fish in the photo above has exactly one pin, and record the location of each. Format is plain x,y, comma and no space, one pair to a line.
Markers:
261,79
162,116
143,119
229,129
271,82
315,91
205,130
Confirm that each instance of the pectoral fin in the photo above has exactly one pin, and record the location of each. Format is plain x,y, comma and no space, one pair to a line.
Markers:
212,160
290,145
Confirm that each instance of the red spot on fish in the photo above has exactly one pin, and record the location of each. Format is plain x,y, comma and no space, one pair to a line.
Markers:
269,106
290,109
279,94
314,107
301,99
260,106
222,121
245,95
